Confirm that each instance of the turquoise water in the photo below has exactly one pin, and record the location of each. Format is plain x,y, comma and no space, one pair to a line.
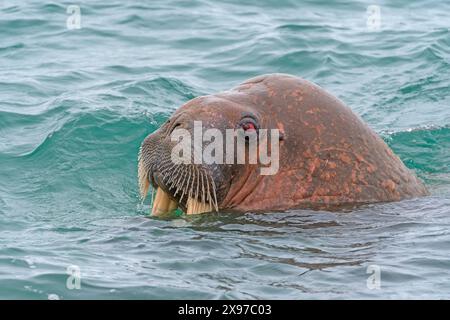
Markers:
76,104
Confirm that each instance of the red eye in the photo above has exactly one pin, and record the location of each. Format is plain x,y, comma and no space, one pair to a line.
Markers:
249,126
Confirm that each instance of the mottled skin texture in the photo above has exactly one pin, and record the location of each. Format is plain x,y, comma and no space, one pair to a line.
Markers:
328,156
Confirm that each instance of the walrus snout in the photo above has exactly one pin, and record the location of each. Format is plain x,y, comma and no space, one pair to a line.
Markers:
195,188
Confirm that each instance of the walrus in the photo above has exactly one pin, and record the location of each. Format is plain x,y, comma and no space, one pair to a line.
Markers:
328,156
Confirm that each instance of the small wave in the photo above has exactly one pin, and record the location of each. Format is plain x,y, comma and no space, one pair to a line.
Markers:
392,133
301,27
12,27
12,48
172,85
426,148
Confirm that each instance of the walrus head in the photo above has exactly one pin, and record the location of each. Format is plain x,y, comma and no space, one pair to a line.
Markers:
328,157
197,187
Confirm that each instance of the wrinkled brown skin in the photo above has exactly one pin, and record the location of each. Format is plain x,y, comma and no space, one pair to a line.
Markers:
328,157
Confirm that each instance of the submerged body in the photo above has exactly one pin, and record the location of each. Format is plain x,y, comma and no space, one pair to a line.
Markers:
328,157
